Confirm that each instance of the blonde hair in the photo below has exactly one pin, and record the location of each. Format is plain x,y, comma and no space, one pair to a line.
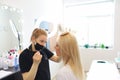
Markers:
70,53
35,34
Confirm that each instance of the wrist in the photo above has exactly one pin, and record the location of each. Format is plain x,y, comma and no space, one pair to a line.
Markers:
35,63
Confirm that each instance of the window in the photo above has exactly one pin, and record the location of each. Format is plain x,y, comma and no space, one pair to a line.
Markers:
93,23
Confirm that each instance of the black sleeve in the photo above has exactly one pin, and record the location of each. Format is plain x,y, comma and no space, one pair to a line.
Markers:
47,52
24,62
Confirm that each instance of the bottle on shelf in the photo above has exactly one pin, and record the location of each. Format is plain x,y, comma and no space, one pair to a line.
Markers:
16,62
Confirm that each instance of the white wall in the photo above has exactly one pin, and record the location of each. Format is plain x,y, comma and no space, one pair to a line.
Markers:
90,54
53,10
33,9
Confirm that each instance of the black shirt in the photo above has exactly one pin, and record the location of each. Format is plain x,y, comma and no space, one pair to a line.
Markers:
25,62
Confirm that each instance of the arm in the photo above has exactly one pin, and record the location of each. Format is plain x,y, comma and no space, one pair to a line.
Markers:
55,58
32,73
51,55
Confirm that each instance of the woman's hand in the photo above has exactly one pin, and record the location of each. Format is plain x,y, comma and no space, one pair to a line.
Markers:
37,57
33,71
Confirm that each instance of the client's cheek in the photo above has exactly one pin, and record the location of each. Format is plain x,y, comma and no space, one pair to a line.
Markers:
58,52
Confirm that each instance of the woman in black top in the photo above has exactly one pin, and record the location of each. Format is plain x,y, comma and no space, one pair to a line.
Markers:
33,61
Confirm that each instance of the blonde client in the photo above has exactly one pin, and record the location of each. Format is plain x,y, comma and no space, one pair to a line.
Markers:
67,48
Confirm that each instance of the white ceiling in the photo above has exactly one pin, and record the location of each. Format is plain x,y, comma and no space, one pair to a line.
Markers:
74,1
78,1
